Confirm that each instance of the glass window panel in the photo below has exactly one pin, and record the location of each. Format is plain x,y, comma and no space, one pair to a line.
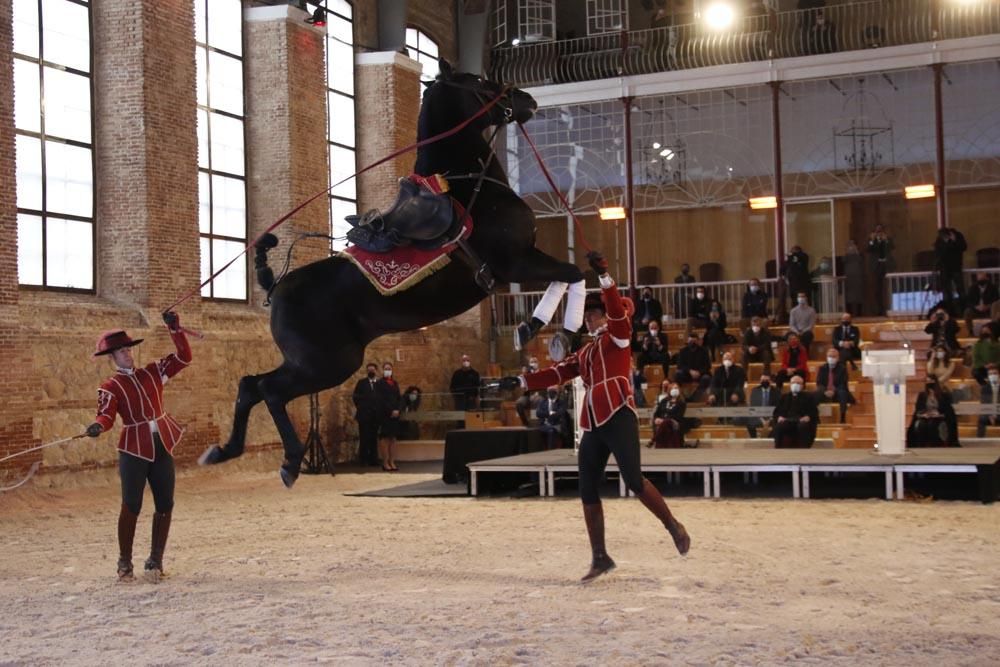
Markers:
69,257
227,144
204,202
341,114
26,27
29,172
200,79
342,164
225,25
231,283
430,66
411,38
341,7
206,265
67,105
340,30
69,179
66,34
225,83
203,139
339,209
340,73
29,249
430,47
229,210
27,96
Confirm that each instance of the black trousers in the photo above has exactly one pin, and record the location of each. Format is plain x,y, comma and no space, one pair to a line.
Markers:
619,436
368,441
159,472
792,433
950,281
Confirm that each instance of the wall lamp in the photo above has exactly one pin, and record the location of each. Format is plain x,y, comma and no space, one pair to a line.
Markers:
612,213
318,17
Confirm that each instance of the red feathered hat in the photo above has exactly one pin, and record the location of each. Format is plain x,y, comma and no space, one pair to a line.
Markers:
114,340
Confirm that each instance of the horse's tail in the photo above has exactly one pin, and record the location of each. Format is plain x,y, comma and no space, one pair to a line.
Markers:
265,276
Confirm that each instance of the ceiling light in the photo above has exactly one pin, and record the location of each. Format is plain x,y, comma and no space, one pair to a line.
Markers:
318,17
719,15
612,213
758,203
656,145
918,191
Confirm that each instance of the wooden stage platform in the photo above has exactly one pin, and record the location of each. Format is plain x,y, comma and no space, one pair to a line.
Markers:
714,463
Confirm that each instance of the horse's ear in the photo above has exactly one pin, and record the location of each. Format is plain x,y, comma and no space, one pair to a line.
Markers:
445,67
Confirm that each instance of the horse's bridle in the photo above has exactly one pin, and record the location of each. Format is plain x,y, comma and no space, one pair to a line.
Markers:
503,98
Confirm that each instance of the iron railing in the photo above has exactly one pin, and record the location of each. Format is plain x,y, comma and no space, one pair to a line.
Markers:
843,27
916,292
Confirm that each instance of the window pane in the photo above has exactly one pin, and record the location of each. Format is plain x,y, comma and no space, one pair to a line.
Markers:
204,203
339,209
69,254
342,165
340,74
228,207
29,172
411,38
26,27
199,21
67,105
430,66
429,46
200,65
203,139
341,115
27,97
66,34
340,30
225,29
206,265
225,83
29,249
231,283
341,7
227,144
69,179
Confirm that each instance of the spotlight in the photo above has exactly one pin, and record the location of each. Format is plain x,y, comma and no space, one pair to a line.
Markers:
318,18
656,145
515,41
719,15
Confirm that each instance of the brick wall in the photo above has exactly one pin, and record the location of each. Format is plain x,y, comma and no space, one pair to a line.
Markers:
438,20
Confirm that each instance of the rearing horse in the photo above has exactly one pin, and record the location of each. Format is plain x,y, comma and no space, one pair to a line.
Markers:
324,314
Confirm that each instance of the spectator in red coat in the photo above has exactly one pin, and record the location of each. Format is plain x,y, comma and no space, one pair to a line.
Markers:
794,361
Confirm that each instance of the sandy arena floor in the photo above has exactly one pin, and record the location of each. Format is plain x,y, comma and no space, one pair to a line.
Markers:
264,576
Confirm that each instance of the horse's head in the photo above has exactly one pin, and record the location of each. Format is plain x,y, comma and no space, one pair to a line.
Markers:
465,94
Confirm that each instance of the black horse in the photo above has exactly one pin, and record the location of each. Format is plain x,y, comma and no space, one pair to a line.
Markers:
324,314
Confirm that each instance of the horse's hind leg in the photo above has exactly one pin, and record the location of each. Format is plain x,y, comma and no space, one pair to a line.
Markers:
278,388
246,398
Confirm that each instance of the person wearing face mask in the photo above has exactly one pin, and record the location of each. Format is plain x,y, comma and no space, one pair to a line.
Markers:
796,272
934,423
763,395
754,303
727,383
390,403
683,294
986,351
943,331
989,394
367,415
668,418
854,278
831,383
553,418
699,308
795,417
794,361
940,366
979,300
653,349
757,345
464,386
648,310
528,401
693,365
847,340
608,419
801,321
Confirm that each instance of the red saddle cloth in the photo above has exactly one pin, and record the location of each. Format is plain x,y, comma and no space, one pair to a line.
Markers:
402,268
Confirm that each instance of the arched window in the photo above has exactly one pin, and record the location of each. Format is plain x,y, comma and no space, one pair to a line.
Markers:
422,48
222,198
54,139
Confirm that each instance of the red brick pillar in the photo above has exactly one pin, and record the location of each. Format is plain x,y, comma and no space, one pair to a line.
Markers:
388,90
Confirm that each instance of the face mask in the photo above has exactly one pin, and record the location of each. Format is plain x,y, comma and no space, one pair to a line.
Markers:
754,288
653,331
802,301
727,363
765,384
755,329
533,366
832,361
371,374
553,394
940,355
700,295
413,398
387,373
677,392
994,379
466,364
796,388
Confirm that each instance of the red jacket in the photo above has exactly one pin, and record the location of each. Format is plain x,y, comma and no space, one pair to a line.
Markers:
137,395
802,368
604,364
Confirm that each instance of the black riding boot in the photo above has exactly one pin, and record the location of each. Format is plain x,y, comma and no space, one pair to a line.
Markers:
126,535
161,528
654,502
593,515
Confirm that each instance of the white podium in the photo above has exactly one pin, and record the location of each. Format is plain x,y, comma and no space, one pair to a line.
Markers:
888,370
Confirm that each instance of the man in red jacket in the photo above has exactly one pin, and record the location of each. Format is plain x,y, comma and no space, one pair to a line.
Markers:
609,418
147,441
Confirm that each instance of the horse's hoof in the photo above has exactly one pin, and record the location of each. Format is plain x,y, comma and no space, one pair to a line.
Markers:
559,347
288,476
213,455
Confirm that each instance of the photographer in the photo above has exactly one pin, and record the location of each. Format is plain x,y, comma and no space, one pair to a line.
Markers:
944,332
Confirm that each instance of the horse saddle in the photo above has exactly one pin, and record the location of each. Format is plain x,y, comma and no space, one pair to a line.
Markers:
422,216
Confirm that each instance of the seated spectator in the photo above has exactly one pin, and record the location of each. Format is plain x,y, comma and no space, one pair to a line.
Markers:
754,302
698,309
847,341
940,367
647,310
934,423
794,361
831,383
715,332
763,395
986,351
801,321
693,365
727,383
989,394
553,417
668,419
464,386
528,402
653,348
944,332
795,417
757,345
979,300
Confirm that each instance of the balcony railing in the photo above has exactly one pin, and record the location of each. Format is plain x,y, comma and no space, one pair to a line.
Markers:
916,292
842,27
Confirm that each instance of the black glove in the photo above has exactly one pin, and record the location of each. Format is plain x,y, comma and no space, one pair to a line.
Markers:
94,430
172,320
597,262
510,382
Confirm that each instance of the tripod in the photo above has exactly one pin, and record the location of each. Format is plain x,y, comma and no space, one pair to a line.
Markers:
316,460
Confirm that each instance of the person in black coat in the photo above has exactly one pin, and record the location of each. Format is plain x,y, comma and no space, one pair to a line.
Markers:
754,302
389,403
668,419
647,310
944,332
715,331
979,301
795,418
367,416
831,383
727,383
934,423
763,395
757,345
683,293
693,365
796,272
847,340
553,418
698,309
464,386
948,250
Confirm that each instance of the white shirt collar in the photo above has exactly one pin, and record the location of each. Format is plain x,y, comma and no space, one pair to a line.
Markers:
125,371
